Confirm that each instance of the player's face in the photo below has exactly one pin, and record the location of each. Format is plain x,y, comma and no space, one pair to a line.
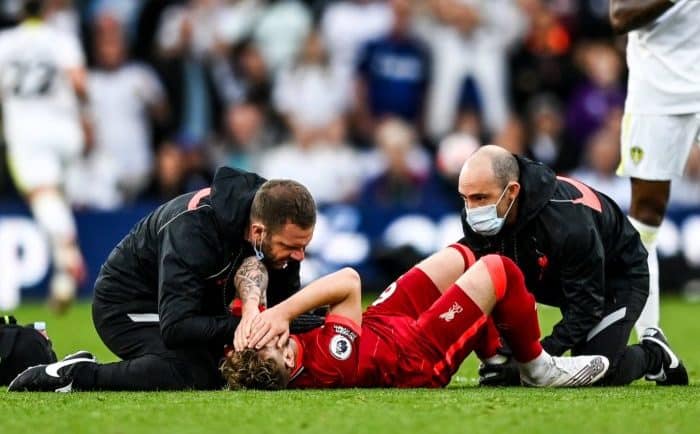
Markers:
289,243
284,357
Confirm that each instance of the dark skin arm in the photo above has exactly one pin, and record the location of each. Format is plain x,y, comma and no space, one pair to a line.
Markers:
627,15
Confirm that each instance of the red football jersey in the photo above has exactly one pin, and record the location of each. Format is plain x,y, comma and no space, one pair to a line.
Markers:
412,336
327,356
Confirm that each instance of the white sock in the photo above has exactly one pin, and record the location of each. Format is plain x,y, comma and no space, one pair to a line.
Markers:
498,359
537,367
650,313
54,216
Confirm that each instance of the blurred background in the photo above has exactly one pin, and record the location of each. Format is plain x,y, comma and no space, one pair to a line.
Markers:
373,105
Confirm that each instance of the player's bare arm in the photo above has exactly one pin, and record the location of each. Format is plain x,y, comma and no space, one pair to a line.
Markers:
341,290
627,15
250,281
78,80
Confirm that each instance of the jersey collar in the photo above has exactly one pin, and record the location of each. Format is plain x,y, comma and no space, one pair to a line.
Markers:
298,363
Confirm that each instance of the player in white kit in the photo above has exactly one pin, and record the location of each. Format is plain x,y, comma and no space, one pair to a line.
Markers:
42,81
662,114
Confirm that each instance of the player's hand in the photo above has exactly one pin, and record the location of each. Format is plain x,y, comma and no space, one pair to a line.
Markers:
268,325
249,312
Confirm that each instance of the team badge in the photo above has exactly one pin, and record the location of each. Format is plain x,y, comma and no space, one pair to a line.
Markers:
450,314
340,347
636,154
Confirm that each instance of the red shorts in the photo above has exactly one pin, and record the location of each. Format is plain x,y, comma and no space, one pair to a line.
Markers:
429,333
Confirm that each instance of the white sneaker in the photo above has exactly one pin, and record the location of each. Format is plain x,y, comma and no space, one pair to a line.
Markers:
569,372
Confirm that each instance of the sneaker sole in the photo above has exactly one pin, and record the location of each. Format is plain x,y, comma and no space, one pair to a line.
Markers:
594,371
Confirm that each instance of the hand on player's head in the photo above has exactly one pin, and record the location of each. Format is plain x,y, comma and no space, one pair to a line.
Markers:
251,369
270,325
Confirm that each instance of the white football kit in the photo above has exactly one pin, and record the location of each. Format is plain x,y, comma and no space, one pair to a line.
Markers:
40,108
662,111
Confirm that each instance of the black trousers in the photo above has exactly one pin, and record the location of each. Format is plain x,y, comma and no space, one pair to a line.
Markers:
610,337
147,364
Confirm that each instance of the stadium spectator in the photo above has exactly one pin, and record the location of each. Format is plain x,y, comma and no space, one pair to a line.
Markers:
347,25
393,73
188,46
124,97
280,32
400,187
469,41
181,167
598,94
251,74
513,136
326,164
247,136
542,63
601,158
237,19
451,154
548,140
311,94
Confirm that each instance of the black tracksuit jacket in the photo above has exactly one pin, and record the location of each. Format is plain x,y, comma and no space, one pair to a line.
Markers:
180,260
568,240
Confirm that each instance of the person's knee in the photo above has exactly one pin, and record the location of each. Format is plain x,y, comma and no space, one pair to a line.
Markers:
649,201
513,272
497,272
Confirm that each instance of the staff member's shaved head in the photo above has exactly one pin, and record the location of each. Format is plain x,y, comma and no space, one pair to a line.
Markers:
492,162
490,176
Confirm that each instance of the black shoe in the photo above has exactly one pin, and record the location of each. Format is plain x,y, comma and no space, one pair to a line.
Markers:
672,372
54,377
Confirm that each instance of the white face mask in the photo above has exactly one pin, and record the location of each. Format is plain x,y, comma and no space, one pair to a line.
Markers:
484,220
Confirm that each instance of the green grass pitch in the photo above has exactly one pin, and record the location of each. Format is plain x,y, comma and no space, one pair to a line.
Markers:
461,408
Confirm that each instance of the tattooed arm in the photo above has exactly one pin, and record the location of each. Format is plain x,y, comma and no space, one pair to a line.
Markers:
251,281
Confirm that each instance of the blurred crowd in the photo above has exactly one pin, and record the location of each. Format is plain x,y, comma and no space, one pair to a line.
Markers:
374,103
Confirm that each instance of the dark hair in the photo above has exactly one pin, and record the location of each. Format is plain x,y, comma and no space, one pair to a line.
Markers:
33,8
505,168
282,201
247,369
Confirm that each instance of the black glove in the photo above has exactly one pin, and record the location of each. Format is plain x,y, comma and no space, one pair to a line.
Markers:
500,374
306,322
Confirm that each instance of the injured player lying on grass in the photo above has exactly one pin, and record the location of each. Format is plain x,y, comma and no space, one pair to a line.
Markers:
416,334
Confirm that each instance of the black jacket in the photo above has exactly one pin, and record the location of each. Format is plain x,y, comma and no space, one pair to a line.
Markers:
180,261
568,240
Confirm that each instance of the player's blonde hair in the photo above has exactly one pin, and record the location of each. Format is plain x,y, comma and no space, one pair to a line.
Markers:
248,369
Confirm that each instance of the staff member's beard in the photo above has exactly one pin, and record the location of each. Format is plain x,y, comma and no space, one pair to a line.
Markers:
266,258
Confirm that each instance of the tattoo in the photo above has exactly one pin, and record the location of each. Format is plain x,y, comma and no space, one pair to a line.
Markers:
251,281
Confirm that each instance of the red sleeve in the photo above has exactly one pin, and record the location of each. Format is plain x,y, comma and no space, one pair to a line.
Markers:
336,352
